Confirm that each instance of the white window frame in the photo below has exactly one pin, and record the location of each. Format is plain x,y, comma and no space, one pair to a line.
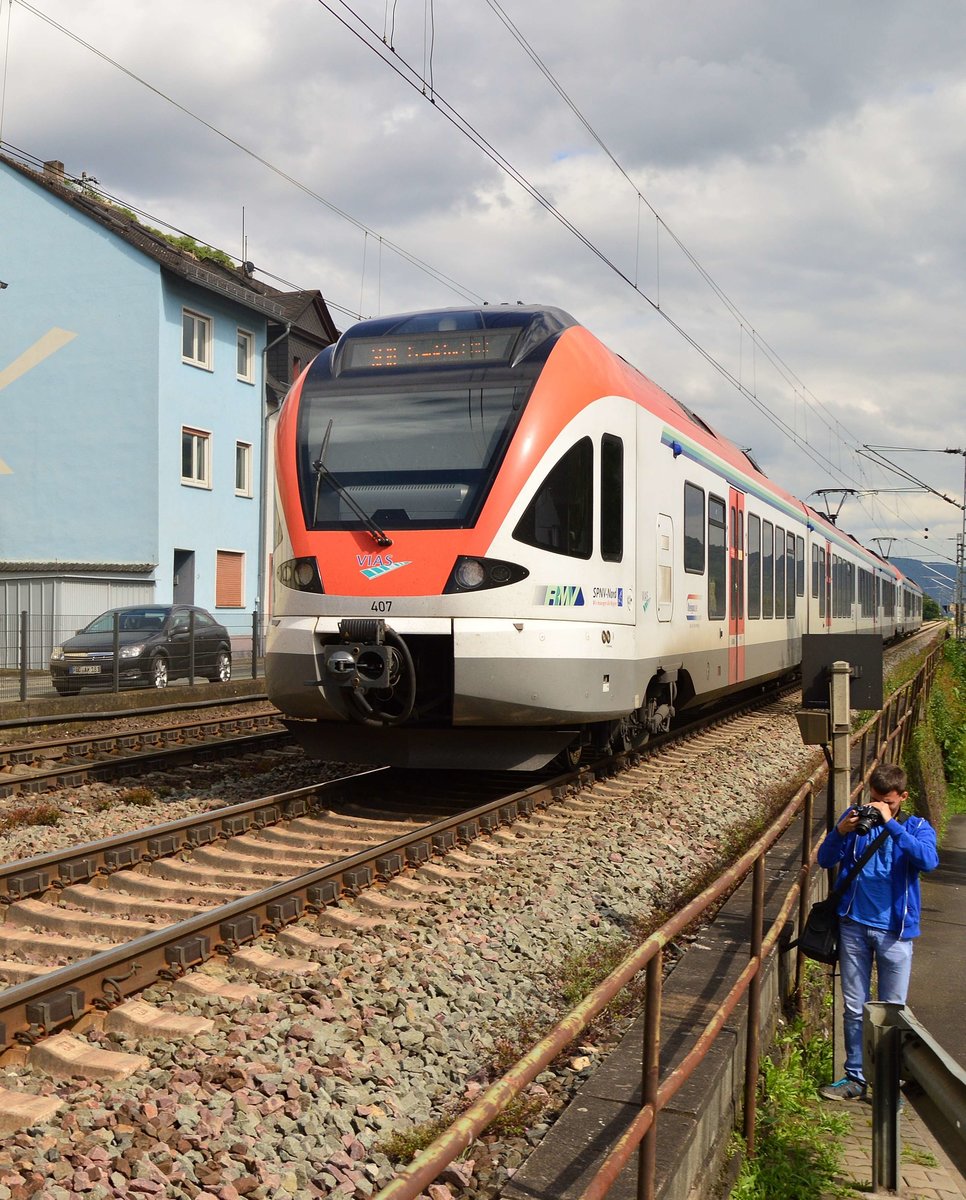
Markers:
243,455
247,339
201,458
200,352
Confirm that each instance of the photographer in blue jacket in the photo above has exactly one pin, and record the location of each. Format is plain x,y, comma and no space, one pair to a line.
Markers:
879,911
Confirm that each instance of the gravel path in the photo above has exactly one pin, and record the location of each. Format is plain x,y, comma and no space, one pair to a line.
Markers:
293,1094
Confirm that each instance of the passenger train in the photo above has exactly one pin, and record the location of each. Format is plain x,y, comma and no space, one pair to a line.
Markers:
496,542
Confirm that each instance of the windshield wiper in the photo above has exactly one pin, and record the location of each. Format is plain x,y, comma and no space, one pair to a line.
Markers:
322,472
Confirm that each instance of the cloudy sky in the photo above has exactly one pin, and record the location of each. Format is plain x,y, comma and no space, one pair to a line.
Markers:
757,202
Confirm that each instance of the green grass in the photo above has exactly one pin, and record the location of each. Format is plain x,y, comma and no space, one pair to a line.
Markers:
947,720
797,1136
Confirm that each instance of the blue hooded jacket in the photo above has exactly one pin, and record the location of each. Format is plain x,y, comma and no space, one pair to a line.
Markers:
913,850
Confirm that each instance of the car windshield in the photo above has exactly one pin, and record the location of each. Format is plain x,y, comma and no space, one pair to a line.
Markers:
415,455
131,620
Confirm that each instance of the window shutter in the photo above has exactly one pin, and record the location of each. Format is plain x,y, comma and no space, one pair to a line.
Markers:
229,579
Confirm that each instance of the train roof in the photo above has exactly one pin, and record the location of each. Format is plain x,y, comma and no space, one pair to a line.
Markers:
538,328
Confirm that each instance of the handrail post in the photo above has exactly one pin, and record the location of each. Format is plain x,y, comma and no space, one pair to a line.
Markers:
24,651
754,1004
650,1074
808,805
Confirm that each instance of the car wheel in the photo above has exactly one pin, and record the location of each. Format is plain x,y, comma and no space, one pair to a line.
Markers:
65,689
222,671
159,671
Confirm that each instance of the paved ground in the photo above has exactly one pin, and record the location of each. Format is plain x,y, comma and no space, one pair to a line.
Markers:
926,1172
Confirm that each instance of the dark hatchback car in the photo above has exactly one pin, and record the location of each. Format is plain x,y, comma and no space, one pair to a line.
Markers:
155,646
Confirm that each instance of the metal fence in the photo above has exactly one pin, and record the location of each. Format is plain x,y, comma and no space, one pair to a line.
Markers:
27,643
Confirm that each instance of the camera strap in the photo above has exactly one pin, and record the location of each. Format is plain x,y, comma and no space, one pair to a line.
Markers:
842,884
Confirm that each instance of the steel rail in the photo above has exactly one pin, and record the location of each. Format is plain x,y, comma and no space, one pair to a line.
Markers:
30,1009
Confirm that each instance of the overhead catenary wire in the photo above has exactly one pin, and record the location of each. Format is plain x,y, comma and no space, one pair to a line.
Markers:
413,259
425,83
411,75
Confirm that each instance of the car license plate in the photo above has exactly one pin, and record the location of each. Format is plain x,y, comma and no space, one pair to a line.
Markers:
93,670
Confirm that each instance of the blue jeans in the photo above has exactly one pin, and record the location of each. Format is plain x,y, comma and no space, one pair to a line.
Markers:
859,947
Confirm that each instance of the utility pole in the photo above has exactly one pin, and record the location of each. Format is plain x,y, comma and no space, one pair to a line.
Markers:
961,537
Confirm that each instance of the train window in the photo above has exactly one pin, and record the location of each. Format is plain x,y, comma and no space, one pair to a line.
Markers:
790,576
767,568
815,575
865,592
560,516
419,454
779,571
800,566
717,559
822,590
693,529
611,498
754,566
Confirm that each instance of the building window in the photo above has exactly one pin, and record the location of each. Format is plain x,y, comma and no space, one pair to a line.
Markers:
196,458
245,357
229,579
243,469
196,339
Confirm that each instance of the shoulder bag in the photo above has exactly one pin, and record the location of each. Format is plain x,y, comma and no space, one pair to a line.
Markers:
819,936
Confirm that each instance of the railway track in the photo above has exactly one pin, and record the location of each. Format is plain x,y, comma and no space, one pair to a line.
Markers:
43,763
180,893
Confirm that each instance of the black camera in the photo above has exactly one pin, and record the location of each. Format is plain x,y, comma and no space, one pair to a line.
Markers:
869,817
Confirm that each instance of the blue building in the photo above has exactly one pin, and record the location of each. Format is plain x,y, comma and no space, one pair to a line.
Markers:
137,381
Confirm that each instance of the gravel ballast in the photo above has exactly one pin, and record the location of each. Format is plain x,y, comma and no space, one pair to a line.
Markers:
294,1093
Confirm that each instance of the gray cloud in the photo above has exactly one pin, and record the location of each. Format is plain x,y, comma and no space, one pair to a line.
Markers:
809,156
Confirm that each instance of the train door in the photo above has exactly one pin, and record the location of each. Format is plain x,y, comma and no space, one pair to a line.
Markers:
736,607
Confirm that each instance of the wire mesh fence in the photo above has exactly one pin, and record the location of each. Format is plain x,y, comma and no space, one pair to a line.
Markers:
148,646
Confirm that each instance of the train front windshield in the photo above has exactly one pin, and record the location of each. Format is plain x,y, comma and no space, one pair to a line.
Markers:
413,455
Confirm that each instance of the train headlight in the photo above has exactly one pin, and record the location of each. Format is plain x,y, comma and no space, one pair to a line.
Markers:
470,573
300,574
477,574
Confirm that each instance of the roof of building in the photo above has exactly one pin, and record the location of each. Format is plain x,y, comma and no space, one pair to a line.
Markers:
28,567
236,283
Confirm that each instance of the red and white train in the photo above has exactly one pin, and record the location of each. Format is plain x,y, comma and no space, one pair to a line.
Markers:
496,541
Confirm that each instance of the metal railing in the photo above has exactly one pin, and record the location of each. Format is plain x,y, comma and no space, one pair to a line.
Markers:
895,1046
886,735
